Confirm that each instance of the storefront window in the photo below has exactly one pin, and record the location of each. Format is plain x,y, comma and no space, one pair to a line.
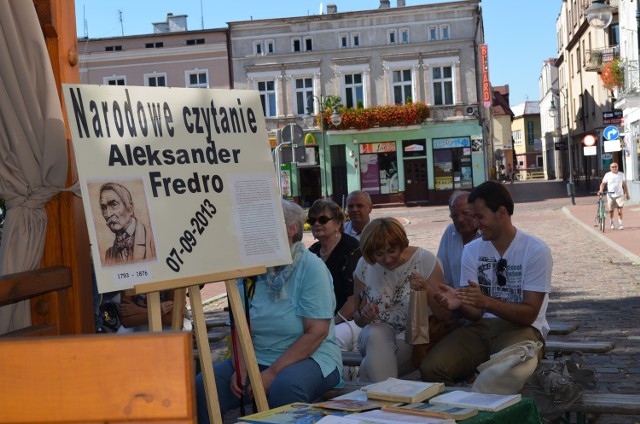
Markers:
452,163
379,168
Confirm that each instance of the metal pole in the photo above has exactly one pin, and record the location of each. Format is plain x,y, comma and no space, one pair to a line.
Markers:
570,185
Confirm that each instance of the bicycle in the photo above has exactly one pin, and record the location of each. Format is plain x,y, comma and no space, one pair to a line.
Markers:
601,213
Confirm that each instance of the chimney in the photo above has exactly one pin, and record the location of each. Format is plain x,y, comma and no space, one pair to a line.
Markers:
385,4
332,8
401,3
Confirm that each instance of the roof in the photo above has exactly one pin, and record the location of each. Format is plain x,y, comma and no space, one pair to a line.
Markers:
526,108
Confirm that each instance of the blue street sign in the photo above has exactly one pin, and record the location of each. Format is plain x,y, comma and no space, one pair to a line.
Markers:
611,133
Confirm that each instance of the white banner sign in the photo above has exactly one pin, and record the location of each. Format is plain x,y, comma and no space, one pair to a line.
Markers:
612,145
590,150
176,182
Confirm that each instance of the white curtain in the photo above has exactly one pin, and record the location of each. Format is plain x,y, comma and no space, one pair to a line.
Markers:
33,150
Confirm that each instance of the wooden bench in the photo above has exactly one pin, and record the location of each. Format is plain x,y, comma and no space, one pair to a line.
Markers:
561,347
562,328
50,314
605,404
138,377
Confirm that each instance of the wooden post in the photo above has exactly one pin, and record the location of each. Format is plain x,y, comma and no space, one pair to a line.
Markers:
206,364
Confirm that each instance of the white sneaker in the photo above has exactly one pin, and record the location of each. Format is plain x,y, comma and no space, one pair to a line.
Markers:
620,227
612,226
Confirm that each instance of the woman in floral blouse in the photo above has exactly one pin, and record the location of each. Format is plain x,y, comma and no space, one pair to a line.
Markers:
386,273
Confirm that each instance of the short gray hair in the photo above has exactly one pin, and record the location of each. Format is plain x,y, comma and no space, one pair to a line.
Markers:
454,196
360,193
293,214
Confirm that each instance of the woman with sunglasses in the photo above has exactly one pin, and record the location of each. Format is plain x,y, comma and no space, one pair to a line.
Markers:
340,253
387,272
291,315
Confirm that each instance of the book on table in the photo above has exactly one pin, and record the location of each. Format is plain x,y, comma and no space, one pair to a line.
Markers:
406,391
294,413
350,405
480,401
383,417
428,410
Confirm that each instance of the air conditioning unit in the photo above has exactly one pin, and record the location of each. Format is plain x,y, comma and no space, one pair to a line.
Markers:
471,110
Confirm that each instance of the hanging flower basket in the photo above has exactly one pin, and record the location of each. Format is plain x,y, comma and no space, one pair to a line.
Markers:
612,75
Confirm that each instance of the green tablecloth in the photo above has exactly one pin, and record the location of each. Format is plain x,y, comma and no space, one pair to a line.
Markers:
523,412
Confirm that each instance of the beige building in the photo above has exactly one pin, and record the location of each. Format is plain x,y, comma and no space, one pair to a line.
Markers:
172,56
527,142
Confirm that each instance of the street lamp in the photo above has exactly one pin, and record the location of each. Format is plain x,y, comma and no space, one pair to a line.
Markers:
599,15
336,120
553,112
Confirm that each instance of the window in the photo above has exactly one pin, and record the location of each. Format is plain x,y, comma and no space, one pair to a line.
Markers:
404,36
433,33
257,48
354,90
195,41
452,168
344,41
379,167
155,45
271,49
444,32
517,137
442,85
268,97
197,79
391,36
113,48
539,162
296,45
355,39
115,80
304,89
401,86
155,80
308,44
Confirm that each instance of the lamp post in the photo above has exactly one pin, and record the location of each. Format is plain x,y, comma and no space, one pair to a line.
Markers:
336,120
599,15
553,112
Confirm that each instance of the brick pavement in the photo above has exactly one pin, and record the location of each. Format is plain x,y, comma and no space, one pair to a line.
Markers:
596,282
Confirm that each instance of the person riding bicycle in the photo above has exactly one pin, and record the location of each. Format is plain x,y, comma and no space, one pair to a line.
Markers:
617,192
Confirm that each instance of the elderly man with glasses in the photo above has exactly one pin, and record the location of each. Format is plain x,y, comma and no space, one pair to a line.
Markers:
461,231
617,192
504,289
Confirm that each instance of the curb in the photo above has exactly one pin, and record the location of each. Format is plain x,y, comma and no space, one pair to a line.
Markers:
633,257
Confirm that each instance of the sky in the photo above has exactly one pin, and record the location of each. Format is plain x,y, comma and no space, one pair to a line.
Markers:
520,35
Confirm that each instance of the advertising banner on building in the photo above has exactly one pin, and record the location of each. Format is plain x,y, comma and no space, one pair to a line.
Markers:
176,182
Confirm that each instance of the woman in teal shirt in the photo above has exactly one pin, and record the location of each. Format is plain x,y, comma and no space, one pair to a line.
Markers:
292,330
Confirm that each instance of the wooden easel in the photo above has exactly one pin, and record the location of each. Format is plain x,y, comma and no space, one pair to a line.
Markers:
152,290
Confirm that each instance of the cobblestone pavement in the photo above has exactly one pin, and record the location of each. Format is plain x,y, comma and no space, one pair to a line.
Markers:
593,285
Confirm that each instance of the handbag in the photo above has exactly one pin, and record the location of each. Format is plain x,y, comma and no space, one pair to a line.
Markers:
558,384
417,329
506,371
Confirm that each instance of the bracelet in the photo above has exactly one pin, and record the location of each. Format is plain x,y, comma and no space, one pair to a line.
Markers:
341,316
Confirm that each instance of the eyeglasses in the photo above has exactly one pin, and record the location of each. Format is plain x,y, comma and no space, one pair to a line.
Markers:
321,220
501,267
464,214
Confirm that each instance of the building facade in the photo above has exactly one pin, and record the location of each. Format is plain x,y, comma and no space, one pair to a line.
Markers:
364,59
582,100
172,56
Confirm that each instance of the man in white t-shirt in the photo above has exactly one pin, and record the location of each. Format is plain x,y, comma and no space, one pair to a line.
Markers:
504,289
617,192
358,208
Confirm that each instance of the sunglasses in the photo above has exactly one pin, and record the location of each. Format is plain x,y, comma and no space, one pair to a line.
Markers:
321,220
501,268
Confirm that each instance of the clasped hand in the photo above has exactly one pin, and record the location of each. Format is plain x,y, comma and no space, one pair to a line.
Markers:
453,299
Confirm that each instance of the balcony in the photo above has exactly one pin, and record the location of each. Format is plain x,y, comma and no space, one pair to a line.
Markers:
629,94
595,58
